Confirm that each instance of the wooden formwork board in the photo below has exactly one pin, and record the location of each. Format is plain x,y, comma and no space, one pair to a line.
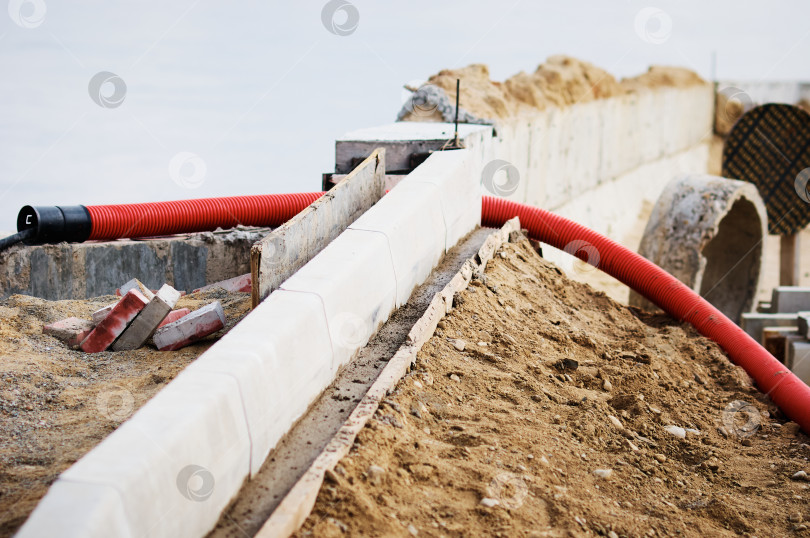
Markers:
287,248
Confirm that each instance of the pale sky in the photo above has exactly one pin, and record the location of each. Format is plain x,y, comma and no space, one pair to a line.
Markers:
258,91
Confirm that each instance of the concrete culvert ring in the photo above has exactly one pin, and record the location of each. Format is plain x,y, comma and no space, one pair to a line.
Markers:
707,231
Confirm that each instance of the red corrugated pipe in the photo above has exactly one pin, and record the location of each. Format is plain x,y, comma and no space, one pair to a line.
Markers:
786,390
186,216
54,224
78,223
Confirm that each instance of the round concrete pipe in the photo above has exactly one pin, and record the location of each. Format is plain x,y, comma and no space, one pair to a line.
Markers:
707,231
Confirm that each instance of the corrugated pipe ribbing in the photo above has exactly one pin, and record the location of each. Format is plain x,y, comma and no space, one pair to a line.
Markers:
187,216
786,390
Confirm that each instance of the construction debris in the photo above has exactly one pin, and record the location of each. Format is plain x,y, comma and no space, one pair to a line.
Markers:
115,323
188,329
140,314
135,284
241,283
148,320
71,331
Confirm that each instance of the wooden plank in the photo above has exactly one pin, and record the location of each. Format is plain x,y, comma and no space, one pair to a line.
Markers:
287,248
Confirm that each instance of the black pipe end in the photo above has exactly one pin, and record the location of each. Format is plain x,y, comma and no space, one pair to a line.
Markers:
54,224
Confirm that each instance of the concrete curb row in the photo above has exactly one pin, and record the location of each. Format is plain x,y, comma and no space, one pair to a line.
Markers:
174,466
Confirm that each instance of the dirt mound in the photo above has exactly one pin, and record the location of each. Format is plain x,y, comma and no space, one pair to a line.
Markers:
560,81
543,408
658,76
56,403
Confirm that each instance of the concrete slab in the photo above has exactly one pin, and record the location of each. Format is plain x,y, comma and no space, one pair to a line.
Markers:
803,319
401,140
799,360
790,299
754,322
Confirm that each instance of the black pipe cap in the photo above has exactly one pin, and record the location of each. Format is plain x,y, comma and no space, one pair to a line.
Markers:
54,224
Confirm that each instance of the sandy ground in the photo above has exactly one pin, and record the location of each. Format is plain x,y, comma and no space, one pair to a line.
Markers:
56,403
540,407
560,81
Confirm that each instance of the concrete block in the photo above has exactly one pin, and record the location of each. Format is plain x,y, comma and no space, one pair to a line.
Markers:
790,299
135,284
753,323
799,359
71,331
803,319
354,277
400,140
458,187
78,510
411,218
177,462
174,315
241,283
280,372
190,328
101,313
116,321
148,319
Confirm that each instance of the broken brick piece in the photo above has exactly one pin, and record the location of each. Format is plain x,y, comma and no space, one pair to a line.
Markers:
190,328
174,315
71,331
147,319
135,284
241,283
101,313
115,323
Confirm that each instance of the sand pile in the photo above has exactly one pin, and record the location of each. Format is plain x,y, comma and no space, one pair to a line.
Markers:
560,81
543,408
56,403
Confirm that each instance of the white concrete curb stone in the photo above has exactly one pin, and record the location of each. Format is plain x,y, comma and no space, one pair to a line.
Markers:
459,190
411,218
281,357
354,277
197,420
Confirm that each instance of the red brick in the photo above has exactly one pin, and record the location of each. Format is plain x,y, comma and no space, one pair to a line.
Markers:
101,313
115,323
135,284
71,331
190,328
147,320
241,283
174,315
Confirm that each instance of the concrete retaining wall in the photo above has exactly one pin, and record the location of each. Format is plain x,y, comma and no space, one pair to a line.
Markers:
84,270
598,160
